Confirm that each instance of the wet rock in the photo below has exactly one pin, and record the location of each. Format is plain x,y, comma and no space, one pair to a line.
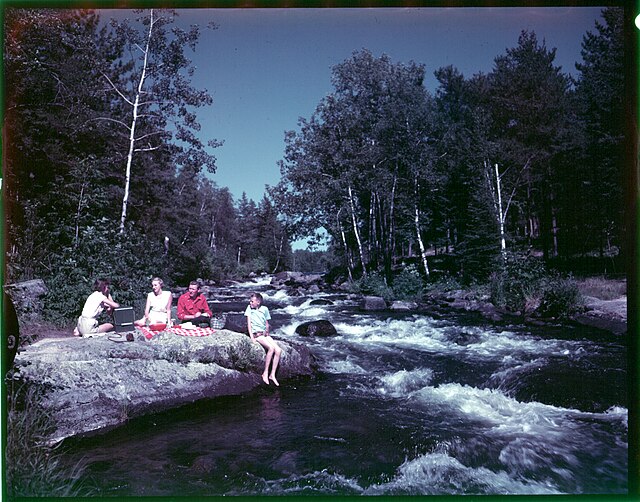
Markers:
293,279
237,323
373,303
320,301
27,298
401,305
92,385
316,328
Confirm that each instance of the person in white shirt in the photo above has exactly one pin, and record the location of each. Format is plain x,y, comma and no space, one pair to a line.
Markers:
97,302
158,308
258,323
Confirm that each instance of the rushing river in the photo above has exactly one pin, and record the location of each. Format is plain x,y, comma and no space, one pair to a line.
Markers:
405,404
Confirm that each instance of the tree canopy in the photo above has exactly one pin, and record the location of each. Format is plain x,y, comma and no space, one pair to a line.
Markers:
107,171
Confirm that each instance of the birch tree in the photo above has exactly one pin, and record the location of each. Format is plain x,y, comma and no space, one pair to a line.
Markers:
150,81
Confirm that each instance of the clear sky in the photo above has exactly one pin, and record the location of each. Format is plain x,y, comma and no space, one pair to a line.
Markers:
265,68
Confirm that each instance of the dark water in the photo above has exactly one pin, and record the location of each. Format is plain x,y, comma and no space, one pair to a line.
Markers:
404,405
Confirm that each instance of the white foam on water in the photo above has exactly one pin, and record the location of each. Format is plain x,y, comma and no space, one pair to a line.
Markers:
292,309
403,382
494,408
344,367
279,296
440,474
317,482
425,333
264,280
422,333
619,413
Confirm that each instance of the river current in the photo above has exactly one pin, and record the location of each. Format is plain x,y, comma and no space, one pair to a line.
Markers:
404,404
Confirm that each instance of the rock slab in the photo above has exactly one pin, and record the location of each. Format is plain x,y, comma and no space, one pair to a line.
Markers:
92,385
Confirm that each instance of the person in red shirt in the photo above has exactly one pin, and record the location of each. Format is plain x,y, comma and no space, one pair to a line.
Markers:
193,306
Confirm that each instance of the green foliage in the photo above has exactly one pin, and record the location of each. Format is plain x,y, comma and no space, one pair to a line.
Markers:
443,284
312,261
561,297
126,259
408,284
378,152
221,264
517,285
257,265
33,468
374,284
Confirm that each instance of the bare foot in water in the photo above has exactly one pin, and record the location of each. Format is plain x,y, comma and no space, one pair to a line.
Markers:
265,379
273,379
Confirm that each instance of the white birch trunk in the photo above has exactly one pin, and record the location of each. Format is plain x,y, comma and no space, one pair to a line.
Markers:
346,248
495,188
132,130
356,231
279,251
416,219
501,214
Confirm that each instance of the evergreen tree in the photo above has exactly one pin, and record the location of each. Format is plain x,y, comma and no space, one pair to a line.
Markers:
600,94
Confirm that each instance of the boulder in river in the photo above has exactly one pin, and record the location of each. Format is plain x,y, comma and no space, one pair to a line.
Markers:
320,301
373,303
95,384
316,328
403,305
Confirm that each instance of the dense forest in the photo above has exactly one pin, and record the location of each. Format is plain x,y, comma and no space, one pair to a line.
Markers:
105,171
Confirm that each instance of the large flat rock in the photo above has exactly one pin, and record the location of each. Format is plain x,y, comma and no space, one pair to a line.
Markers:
94,384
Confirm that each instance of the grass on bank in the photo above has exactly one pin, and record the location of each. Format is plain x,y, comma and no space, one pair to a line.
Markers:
33,468
602,287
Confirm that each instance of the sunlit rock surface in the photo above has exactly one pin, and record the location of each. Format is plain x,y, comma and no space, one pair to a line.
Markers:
95,384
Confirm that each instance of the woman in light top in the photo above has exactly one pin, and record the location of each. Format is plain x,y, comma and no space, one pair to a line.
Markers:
97,302
158,309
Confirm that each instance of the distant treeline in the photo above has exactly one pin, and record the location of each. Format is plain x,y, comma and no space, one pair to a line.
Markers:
104,169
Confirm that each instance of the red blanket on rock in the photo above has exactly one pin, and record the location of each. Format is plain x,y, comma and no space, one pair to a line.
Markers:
176,330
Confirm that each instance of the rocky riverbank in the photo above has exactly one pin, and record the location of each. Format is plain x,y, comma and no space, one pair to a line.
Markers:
92,385
608,315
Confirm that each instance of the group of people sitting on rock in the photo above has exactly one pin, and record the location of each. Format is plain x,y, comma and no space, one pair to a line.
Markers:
192,307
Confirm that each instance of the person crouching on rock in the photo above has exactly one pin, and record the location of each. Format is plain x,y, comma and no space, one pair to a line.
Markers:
258,323
193,306
99,300
158,308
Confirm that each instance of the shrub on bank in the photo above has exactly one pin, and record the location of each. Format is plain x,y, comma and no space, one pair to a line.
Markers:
408,284
516,286
561,297
373,284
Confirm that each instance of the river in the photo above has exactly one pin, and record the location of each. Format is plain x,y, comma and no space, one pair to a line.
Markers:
405,404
